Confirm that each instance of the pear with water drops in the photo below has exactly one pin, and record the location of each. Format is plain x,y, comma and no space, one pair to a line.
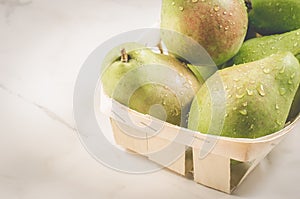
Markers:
258,98
261,47
258,48
219,26
274,16
151,83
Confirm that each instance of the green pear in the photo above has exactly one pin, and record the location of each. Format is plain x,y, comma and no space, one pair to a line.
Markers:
151,83
274,16
219,26
258,48
258,98
261,47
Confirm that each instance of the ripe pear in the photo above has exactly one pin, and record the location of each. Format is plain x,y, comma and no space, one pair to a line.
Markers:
151,83
274,16
219,26
261,47
258,48
258,98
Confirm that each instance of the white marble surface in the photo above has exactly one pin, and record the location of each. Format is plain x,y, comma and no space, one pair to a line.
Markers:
43,44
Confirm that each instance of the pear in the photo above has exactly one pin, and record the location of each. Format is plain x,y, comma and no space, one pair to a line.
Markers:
258,48
261,47
274,16
151,83
218,25
257,98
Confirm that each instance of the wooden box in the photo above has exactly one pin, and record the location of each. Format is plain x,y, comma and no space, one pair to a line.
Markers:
221,163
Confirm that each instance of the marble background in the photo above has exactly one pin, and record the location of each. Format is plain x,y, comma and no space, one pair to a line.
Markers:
43,44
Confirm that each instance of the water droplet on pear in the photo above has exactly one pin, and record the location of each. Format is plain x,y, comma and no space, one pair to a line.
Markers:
261,90
244,112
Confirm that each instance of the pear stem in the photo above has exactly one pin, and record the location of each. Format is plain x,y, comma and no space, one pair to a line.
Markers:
124,55
159,46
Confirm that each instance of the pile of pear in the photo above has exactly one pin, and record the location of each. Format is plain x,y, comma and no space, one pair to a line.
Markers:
255,44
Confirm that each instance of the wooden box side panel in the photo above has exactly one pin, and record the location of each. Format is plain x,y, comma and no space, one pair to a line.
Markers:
212,171
150,146
129,142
